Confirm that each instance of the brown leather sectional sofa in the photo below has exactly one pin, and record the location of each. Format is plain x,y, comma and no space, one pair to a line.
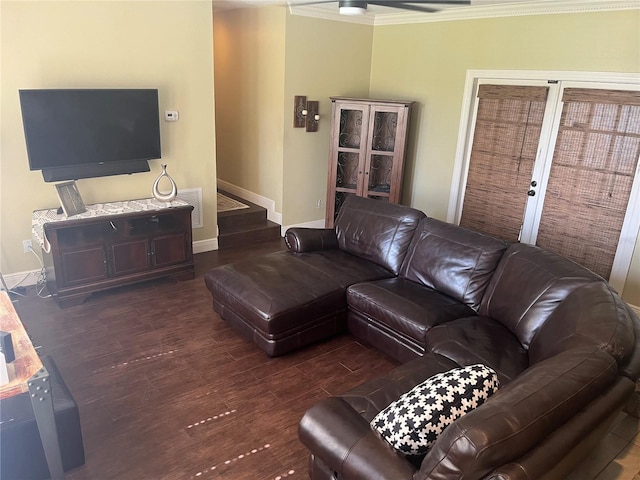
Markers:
436,296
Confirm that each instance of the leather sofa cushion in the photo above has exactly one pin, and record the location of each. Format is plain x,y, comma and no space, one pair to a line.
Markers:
376,231
604,320
471,340
453,260
529,283
279,292
404,306
520,415
369,398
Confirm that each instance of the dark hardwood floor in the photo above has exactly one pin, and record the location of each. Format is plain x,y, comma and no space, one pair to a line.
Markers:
166,390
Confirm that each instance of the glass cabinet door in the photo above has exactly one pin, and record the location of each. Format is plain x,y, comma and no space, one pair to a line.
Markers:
351,149
350,127
384,157
380,161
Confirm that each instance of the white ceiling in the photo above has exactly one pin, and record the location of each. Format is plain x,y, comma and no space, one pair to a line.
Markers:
377,15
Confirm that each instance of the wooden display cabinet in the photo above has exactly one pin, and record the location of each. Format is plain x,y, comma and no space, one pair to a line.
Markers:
366,156
87,255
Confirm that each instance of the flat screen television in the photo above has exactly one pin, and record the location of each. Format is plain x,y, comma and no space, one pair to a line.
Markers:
82,133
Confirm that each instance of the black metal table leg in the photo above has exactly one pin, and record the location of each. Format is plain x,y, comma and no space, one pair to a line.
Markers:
42,401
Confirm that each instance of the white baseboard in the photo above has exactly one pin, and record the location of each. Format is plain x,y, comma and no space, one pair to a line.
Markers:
16,279
264,202
200,246
314,224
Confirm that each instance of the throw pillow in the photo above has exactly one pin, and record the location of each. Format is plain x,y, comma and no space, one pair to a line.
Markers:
412,423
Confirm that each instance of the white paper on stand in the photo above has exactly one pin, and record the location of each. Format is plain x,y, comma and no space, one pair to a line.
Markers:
4,372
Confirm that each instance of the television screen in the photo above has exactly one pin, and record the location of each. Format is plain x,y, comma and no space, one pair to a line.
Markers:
73,134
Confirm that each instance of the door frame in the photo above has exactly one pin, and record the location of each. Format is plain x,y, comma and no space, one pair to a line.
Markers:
631,226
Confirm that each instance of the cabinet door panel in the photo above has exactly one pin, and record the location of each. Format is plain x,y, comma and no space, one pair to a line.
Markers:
350,135
384,131
130,257
347,153
385,154
379,176
85,265
348,171
169,250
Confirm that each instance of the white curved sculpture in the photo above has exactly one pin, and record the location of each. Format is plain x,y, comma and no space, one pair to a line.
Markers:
164,197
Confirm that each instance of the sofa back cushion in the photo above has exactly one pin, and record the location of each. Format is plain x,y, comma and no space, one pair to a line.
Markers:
590,315
528,285
376,231
453,260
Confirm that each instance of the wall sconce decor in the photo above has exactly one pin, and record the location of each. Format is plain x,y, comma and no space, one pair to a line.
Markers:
312,116
299,106
305,113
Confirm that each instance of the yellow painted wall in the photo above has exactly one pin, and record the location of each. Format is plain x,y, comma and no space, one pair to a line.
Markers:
428,63
263,58
57,44
323,59
250,76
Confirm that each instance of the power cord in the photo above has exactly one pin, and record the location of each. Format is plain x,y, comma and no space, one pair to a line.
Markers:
41,281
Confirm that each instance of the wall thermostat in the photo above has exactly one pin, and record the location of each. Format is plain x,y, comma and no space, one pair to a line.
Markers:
171,115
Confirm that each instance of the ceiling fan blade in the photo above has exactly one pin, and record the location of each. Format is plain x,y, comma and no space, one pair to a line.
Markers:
406,6
442,2
416,5
296,3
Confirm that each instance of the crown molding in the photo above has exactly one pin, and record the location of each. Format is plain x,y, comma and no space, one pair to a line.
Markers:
544,7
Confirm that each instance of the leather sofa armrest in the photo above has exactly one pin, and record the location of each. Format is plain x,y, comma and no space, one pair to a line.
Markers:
579,435
301,240
334,432
521,414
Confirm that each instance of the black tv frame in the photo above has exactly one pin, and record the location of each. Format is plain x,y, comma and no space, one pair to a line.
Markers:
76,172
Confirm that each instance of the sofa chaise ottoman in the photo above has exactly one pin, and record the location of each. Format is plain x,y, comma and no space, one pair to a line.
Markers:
286,300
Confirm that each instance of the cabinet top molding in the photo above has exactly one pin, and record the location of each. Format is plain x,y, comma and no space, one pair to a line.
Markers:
372,101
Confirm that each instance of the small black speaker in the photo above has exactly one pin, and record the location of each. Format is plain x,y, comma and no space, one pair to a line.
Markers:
6,347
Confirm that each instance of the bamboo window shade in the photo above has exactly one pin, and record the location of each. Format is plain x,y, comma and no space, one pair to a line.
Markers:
505,144
594,163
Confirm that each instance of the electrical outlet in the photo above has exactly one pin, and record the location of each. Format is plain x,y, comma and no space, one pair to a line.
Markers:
319,204
26,246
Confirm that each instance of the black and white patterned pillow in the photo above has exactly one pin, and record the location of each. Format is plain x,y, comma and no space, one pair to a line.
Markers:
412,423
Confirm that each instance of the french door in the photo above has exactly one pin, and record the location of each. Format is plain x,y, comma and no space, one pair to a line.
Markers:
555,163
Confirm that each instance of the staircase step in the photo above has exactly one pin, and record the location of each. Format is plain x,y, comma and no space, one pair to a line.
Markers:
245,226
244,216
246,234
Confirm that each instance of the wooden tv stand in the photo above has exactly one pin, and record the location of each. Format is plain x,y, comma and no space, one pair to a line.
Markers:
113,244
